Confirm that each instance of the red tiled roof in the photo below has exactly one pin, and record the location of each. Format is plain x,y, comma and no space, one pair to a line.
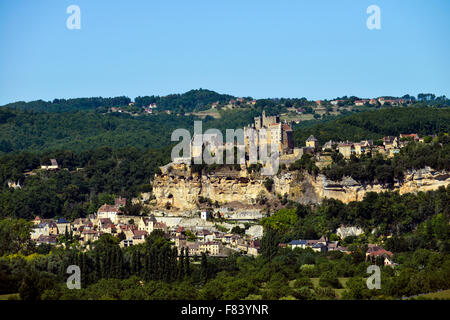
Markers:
89,231
108,208
376,251
159,225
139,233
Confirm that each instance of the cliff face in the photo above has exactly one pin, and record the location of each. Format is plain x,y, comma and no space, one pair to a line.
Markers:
183,190
348,190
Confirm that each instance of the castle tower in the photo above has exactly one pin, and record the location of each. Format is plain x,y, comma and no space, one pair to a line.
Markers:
312,142
258,123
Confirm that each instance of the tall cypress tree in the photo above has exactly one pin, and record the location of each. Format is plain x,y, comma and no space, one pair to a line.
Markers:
133,262
97,268
138,263
120,269
83,269
147,274
204,268
181,265
187,263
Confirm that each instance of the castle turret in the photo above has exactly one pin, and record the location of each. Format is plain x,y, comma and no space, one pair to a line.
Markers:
312,142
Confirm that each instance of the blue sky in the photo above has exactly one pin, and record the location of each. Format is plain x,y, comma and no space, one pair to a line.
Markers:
314,49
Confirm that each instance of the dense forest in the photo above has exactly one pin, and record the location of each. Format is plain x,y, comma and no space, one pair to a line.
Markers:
193,100
64,105
186,102
84,130
88,180
377,124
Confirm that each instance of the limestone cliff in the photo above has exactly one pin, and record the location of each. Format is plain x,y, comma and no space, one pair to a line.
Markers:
182,188
348,190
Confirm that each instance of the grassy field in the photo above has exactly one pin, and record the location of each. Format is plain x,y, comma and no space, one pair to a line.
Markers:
339,292
7,296
437,295
211,112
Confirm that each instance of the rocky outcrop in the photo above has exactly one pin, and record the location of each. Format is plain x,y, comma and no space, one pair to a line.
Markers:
344,232
348,190
184,192
183,189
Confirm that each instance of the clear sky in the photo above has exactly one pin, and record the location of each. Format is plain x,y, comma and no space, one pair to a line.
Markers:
278,48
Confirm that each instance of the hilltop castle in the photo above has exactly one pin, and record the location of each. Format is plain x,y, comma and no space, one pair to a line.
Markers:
274,132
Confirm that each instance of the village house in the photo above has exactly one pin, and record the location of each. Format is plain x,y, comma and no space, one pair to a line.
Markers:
105,225
204,236
374,251
361,102
108,211
147,223
204,215
42,229
192,247
211,248
298,244
139,236
329,145
320,245
254,247
37,220
49,239
412,136
218,236
336,102
63,226
78,222
53,228
346,149
90,235
390,142
53,165
160,226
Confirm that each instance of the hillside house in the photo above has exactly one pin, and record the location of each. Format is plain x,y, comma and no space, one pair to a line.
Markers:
312,142
108,211
147,223
50,239
53,165
346,149
41,229
63,226
374,251
212,248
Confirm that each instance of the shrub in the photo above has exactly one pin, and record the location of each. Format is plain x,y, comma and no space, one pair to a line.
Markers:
329,279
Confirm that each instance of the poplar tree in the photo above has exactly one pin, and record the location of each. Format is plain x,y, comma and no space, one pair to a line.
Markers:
181,265
187,263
